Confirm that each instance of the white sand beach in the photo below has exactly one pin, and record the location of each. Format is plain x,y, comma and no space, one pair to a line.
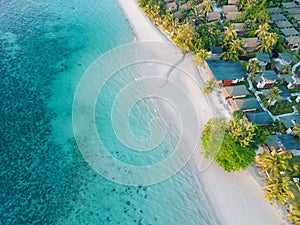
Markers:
235,198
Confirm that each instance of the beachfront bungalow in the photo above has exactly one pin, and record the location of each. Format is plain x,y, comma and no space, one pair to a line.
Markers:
283,142
224,72
278,17
296,17
266,79
244,104
215,52
289,122
259,118
284,58
290,80
294,11
231,16
237,91
171,6
213,17
251,44
240,28
263,59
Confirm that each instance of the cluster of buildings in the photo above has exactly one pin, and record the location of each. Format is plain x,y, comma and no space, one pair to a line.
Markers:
287,25
242,93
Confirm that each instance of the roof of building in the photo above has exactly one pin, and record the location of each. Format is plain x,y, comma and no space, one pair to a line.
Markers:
216,50
213,16
235,91
294,11
295,40
273,141
289,32
286,56
178,15
288,78
186,6
260,118
232,2
258,78
232,15
284,91
225,70
270,75
288,120
277,17
297,17
263,57
275,10
289,5
250,42
247,104
171,5
229,8
289,142
239,27
283,24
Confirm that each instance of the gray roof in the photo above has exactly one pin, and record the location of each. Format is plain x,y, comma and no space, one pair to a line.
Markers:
278,17
247,103
288,78
213,16
289,32
270,75
263,57
293,40
275,10
283,24
286,56
297,17
294,11
289,5
237,90
232,15
239,27
260,118
250,42
287,120
225,70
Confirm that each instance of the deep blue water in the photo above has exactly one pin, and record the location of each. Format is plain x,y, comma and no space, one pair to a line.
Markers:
45,48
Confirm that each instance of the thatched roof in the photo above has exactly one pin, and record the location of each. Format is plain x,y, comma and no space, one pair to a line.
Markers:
232,2
186,6
232,15
213,16
250,42
239,27
229,8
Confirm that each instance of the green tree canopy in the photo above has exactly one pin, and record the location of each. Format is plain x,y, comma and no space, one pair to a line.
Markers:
223,144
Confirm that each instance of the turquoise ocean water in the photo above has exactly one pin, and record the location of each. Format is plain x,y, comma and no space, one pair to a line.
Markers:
45,48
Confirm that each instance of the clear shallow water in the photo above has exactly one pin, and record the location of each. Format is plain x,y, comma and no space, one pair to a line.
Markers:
45,48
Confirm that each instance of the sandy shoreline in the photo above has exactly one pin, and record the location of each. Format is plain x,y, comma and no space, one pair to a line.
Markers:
235,198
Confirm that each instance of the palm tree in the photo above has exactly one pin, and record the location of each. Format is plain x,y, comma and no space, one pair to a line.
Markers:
296,130
267,43
294,215
253,67
237,46
207,6
184,36
229,33
272,163
200,56
169,22
277,190
228,55
262,30
273,95
197,15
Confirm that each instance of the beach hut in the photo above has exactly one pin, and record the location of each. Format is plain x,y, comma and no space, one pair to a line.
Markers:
229,8
259,118
232,2
245,104
275,10
289,32
231,16
289,122
278,17
285,58
215,52
263,59
240,28
213,17
289,5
